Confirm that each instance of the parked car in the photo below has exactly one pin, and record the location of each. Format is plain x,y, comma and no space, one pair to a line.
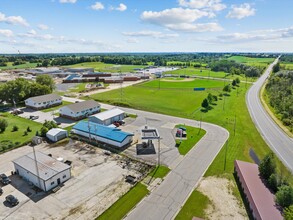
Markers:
12,200
33,117
1,191
4,179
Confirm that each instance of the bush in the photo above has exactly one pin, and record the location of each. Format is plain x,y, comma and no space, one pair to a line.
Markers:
25,133
284,196
267,166
3,125
15,128
28,129
288,213
44,131
273,182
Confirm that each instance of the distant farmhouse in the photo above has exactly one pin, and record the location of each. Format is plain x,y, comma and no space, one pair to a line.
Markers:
80,110
43,101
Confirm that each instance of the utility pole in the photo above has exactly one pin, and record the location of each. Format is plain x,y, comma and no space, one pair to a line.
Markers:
234,124
226,149
224,103
159,151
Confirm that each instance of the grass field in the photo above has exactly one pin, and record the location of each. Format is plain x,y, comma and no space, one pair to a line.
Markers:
22,66
286,66
170,63
257,62
56,107
9,139
194,206
120,208
193,136
159,172
103,67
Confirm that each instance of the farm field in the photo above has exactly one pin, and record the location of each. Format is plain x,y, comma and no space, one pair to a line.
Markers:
251,61
22,66
103,67
170,63
9,139
286,66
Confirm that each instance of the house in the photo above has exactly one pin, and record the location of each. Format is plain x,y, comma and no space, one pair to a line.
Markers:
43,101
43,171
80,110
261,201
108,117
56,134
96,132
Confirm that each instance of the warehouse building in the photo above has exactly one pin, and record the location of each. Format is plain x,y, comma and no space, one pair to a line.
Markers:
46,174
56,134
96,132
108,117
43,101
80,110
261,201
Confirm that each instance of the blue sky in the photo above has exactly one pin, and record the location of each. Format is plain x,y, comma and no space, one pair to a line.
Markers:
46,26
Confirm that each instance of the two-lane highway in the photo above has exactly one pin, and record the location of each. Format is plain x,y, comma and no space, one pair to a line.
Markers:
275,137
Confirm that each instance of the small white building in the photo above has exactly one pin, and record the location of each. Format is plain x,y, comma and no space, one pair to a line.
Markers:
80,110
108,117
43,101
56,134
102,133
46,174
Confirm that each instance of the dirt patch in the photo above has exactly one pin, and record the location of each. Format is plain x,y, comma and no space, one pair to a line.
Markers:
224,204
176,80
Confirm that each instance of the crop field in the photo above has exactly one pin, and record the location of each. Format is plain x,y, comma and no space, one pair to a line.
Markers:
22,66
257,62
170,63
286,66
103,67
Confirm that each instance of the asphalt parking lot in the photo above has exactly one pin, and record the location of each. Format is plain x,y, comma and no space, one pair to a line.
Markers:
97,181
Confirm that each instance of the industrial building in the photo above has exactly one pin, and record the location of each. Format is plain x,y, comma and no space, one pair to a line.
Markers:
43,171
43,101
96,132
56,134
261,201
80,110
108,117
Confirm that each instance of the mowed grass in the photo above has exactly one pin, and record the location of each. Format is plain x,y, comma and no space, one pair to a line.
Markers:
22,66
194,206
104,67
159,172
56,107
193,136
122,206
252,61
17,138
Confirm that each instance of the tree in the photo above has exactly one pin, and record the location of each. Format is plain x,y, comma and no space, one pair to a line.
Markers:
15,128
227,88
44,131
273,182
210,98
205,103
3,125
237,80
276,67
46,80
288,213
234,83
284,196
267,166
38,89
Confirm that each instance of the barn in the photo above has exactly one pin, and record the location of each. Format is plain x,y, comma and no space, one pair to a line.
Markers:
56,134
101,133
43,101
108,117
45,172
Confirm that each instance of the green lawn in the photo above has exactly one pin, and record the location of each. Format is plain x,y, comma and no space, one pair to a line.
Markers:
159,172
56,107
103,67
9,139
122,206
194,206
193,136
22,66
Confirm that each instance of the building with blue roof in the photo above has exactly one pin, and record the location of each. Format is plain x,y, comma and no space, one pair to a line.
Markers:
101,133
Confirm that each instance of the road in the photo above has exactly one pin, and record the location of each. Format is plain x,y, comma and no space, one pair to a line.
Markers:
165,201
275,137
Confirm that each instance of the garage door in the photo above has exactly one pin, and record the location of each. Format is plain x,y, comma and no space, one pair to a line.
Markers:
61,136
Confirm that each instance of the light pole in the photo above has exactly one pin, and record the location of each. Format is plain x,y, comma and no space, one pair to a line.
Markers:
226,155
234,124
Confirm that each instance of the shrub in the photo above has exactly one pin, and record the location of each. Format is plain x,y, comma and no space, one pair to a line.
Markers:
267,166
15,128
288,213
284,196
28,129
3,125
25,133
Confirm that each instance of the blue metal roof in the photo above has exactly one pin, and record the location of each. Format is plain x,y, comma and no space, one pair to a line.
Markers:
102,131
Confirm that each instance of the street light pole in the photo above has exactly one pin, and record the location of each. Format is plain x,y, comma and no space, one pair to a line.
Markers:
226,155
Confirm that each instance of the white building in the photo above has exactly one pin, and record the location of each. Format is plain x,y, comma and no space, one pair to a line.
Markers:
56,134
80,110
43,101
96,132
108,117
48,173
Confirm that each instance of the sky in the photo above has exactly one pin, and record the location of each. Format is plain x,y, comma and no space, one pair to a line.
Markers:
90,26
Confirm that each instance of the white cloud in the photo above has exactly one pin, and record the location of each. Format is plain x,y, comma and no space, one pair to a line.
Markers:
43,27
67,1
6,32
213,5
180,19
121,7
15,20
241,11
98,6
132,40
154,34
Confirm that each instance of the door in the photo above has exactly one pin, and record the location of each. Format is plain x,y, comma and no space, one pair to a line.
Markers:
58,181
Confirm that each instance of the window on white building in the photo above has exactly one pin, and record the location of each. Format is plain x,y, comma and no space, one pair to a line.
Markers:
52,183
64,176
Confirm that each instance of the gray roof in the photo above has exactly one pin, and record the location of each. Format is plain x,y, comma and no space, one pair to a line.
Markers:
108,114
80,106
47,166
45,98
